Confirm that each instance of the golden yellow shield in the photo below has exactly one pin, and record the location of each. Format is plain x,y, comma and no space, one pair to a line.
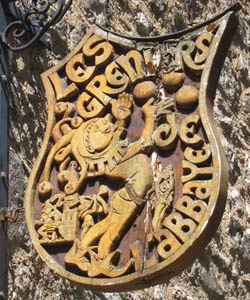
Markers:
130,183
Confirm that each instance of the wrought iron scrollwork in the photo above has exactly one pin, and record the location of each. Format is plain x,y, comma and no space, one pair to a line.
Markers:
33,21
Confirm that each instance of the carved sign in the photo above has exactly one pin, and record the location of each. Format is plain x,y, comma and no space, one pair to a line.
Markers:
130,183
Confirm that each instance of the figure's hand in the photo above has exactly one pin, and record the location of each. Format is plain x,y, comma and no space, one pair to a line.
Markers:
149,108
121,108
164,106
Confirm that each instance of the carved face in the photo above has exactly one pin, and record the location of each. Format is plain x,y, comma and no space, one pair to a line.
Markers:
101,134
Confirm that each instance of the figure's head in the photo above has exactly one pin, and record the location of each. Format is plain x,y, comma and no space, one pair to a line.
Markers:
99,134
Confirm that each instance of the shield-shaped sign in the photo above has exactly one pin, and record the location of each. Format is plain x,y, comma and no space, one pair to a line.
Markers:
131,182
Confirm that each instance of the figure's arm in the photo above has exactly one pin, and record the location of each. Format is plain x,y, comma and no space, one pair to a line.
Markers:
145,141
150,111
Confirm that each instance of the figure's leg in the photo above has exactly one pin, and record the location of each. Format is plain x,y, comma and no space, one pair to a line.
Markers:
121,212
105,233
95,232
76,254
138,175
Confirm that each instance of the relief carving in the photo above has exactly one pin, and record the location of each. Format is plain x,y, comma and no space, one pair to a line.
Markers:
130,172
90,141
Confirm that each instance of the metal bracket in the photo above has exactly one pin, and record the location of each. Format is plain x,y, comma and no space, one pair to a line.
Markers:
234,8
4,216
35,20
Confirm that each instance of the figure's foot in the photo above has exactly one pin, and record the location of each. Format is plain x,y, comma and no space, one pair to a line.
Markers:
105,266
96,266
77,256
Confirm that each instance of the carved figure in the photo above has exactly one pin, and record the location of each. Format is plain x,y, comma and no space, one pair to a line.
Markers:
100,143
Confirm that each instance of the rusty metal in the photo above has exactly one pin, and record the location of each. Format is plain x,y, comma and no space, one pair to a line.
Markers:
31,23
131,181
5,216
175,35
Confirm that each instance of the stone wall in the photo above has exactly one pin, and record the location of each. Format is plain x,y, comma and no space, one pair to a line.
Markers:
223,269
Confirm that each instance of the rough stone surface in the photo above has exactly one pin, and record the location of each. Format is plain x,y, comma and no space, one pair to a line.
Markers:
223,269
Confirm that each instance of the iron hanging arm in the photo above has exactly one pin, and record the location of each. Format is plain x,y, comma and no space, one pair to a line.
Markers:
36,20
175,35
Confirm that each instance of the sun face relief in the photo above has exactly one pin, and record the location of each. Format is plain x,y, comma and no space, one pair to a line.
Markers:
100,135
128,190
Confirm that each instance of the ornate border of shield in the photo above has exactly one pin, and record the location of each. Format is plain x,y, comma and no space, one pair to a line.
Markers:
194,217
